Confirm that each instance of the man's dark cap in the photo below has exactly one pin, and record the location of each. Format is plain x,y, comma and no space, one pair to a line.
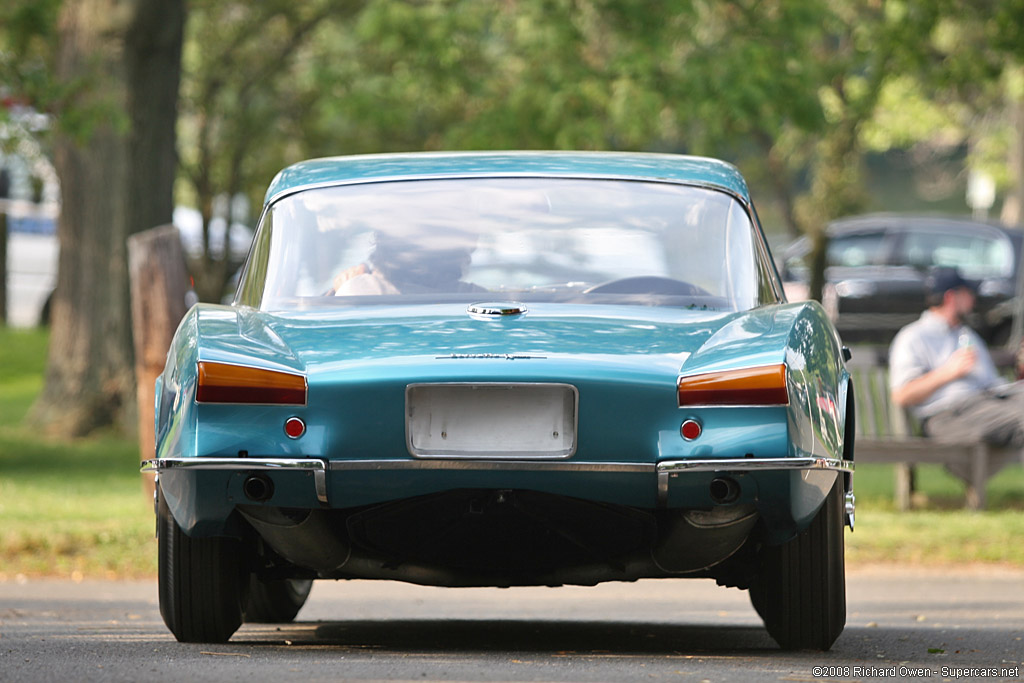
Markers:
941,280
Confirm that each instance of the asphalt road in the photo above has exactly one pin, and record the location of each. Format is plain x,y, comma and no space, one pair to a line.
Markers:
937,624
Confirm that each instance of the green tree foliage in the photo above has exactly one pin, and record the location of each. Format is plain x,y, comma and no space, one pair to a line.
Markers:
783,88
461,74
964,88
27,51
793,91
978,64
244,96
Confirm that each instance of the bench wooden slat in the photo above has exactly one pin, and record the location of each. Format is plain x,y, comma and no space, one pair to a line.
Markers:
886,433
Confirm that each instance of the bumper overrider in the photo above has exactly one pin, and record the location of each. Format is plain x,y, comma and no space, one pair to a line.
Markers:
667,474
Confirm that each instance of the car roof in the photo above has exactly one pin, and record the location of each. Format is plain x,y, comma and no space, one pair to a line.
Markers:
422,165
898,221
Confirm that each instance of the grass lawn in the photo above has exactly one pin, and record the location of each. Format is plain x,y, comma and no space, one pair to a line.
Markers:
76,508
938,531
67,508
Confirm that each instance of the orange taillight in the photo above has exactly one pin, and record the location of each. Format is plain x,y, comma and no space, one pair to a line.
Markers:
760,386
227,383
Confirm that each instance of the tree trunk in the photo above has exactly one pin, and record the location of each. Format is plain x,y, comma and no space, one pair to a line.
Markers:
154,72
836,190
116,174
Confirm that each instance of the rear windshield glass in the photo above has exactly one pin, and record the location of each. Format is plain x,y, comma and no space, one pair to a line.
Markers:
523,239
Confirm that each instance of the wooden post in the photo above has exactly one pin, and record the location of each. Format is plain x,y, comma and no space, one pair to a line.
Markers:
159,287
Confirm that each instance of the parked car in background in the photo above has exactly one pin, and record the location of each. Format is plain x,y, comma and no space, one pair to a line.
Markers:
504,369
190,226
33,252
877,265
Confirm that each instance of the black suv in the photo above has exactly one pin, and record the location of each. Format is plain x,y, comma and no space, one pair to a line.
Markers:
877,265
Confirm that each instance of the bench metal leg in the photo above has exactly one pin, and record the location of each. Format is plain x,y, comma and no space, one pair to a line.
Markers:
979,477
904,485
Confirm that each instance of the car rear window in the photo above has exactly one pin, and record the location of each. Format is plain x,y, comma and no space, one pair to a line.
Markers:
529,239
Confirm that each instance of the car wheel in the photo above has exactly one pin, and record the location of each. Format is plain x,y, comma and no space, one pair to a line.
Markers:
275,601
201,581
800,592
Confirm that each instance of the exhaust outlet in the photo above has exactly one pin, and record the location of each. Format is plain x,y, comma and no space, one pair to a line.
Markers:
724,490
258,487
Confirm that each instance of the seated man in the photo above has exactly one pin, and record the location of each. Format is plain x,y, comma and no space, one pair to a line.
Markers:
942,371
405,266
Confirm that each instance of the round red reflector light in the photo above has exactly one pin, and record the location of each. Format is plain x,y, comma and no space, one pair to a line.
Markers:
294,427
690,430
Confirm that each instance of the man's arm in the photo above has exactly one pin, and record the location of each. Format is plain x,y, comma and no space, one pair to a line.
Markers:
918,390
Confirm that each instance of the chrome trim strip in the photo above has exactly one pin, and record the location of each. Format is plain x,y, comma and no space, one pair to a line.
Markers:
663,478
318,467
672,468
663,470
755,464
492,465
489,356
705,406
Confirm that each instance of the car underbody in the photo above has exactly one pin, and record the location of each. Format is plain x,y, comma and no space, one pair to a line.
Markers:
503,538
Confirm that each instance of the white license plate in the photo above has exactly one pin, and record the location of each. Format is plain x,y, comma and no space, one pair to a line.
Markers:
491,420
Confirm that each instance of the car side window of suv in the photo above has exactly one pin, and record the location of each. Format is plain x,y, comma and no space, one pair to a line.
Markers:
976,256
860,249
849,250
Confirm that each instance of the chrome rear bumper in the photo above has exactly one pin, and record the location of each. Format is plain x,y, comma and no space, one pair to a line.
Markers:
317,467
672,468
664,471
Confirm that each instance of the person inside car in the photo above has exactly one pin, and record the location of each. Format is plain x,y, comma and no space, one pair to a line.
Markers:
401,266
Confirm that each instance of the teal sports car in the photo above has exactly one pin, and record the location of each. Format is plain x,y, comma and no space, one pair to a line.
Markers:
504,369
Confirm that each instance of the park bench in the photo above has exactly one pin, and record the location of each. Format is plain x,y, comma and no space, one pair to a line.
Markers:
887,433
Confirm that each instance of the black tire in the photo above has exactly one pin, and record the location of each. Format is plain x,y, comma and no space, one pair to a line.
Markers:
275,601
800,592
202,583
